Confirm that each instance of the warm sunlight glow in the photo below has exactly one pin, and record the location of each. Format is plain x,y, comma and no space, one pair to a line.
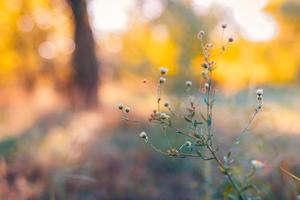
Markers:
108,16
255,24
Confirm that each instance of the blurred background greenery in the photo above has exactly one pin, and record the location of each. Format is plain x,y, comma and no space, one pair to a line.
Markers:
66,64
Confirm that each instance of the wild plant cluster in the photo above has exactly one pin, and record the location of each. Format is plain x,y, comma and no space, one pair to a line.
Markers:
200,138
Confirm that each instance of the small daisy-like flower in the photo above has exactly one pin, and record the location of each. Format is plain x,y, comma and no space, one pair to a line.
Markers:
127,109
257,164
188,83
120,106
188,144
144,136
224,26
145,80
230,39
163,70
162,80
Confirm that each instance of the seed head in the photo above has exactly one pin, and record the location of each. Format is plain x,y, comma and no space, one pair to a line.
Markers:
163,70
204,74
144,136
259,98
172,152
145,80
120,106
167,104
205,65
164,116
260,92
188,83
209,45
200,34
206,85
127,109
162,80
230,39
224,26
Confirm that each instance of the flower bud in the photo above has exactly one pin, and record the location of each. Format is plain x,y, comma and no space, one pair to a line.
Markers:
127,109
120,106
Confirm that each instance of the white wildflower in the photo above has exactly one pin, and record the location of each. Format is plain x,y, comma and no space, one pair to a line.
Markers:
257,164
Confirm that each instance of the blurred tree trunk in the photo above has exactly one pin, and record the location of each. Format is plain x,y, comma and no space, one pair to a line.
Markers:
85,64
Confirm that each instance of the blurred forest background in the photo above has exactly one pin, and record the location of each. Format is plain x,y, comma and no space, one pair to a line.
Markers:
66,64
